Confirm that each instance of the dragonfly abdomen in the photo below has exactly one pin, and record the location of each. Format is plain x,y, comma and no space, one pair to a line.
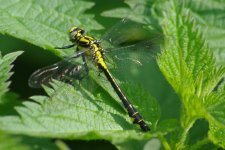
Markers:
133,113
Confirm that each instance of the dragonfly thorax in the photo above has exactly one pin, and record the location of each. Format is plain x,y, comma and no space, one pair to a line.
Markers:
88,44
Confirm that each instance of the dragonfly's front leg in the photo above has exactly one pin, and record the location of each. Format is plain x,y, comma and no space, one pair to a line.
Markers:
85,63
82,54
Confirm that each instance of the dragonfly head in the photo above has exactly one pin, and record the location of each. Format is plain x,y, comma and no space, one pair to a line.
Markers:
75,33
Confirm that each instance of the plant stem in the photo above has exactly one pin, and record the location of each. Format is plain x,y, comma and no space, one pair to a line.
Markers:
164,143
181,143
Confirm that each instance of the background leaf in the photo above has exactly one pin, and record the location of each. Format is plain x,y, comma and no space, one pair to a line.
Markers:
24,143
8,101
217,134
189,67
210,17
69,113
44,23
5,67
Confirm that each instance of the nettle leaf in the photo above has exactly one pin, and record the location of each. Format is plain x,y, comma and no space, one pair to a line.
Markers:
10,100
217,135
137,95
210,16
139,11
13,142
144,102
71,113
44,23
215,105
186,61
67,112
190,68
7,101
5,74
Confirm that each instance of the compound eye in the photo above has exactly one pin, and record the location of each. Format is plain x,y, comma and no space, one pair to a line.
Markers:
73,34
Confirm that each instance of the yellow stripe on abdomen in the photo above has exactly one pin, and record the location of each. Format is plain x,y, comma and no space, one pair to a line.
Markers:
99,56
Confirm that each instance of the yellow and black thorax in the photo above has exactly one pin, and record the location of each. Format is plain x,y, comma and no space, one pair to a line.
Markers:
88,44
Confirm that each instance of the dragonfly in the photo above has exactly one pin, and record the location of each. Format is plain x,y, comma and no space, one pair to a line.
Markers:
88,47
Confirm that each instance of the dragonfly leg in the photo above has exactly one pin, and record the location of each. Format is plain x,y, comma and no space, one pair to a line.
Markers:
79,53
85,64
83,75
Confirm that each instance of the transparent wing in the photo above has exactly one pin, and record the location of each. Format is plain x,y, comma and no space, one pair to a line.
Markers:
134,54
64,70
131,40
130,30
123,33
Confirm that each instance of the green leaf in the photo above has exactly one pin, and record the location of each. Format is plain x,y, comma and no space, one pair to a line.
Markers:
217,135
139,11
131,145
190,68
10,100
186,61
138,96
5,74
210,17
215,105
71,113
12,142
167,126
67,113
44,23
144,102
